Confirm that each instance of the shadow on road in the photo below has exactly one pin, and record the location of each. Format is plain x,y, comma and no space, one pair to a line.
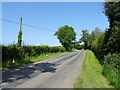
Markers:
27,71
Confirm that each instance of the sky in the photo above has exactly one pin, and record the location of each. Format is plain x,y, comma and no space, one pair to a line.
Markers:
50,16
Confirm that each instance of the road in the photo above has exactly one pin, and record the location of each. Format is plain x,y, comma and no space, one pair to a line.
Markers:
57,72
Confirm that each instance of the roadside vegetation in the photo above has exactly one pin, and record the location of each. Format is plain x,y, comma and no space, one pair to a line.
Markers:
106,44
91,75
16,56
111,69
9,64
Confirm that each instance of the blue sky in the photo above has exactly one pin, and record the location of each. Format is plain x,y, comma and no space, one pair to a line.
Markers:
50,15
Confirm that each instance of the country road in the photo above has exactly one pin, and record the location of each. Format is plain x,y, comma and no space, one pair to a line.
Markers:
57,72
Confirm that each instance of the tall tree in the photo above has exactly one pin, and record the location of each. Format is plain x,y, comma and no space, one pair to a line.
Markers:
112,35
85,38
66,36
97,32
94,34
109,42
88,38
19,43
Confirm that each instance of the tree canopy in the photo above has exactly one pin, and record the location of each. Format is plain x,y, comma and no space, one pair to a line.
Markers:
88,38
85,38
112,35
66,36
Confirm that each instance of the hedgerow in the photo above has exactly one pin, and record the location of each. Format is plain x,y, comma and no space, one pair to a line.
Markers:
12,52
111,69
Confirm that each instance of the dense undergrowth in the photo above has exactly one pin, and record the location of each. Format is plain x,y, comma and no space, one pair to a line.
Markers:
111,69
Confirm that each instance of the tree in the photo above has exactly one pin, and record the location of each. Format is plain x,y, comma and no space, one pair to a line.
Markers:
97,32
98,46
109,42
77,45
112,35
88,38
85,38
20,34
66,36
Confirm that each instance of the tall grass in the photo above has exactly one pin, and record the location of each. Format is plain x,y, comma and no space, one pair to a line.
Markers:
91,75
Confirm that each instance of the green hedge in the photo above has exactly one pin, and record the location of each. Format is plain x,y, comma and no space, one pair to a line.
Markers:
13,52
98,47
111,69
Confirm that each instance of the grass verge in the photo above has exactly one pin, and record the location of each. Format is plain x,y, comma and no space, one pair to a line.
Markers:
9,64
91,76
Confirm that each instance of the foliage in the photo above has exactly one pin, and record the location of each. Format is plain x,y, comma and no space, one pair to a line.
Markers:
112,35
19,38
98,47
57,49
111,69
109,42
66,36
20,34
112,11
88,38
113,40
78,46
95,33
12,52
85,38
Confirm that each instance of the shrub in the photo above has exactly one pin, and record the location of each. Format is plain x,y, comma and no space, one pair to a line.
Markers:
62,49
111,69
10,52
27,50
98,47
55,49
19,53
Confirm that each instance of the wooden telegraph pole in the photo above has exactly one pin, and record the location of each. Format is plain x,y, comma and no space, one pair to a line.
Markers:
19,43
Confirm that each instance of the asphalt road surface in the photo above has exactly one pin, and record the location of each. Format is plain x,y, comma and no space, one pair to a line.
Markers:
58,72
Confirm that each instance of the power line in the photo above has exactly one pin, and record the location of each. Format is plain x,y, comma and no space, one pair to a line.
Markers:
27,25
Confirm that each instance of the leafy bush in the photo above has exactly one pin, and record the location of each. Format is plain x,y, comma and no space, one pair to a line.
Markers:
57,49
98,47
111,69
13,52
62,49
10,52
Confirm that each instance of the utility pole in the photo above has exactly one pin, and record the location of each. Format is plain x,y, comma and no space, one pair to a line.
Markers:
21,23
20,34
